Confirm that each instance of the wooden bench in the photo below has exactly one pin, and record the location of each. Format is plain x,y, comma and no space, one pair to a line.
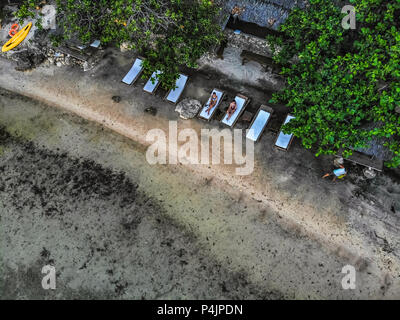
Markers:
73,53
365,160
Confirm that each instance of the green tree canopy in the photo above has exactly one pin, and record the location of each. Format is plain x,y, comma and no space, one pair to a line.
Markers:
168,32
340,81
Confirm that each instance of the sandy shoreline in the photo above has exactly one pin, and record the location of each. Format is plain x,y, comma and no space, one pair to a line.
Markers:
318,211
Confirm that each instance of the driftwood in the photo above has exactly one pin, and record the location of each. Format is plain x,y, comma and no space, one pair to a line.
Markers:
366,160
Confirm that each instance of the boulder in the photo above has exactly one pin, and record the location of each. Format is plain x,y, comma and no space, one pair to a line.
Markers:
87,66
116,99
188,108
124,47
49,13
151,110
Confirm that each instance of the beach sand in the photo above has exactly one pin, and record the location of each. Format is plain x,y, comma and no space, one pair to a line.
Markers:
280,232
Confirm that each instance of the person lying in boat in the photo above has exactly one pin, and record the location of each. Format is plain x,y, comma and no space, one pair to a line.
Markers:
213,102
231,110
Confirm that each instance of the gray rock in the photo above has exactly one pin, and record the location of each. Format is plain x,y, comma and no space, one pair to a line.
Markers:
188,108
87,66
151,110
116,99
124,47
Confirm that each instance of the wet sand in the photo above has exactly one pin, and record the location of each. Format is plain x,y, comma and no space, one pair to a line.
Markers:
79,197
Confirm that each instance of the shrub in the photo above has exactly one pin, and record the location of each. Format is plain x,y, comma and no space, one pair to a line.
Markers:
340,81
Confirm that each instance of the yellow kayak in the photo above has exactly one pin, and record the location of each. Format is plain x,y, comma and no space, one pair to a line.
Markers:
18,38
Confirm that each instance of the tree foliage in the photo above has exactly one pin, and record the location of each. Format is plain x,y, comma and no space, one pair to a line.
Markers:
168,32
340,81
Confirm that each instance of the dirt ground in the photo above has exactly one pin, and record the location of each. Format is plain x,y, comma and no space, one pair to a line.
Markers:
84,199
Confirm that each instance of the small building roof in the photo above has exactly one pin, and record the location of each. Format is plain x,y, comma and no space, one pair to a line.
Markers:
261,11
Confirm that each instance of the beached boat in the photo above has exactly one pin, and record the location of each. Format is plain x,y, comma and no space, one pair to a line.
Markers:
18,38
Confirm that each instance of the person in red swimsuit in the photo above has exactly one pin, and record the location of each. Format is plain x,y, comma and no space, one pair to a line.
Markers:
231,110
